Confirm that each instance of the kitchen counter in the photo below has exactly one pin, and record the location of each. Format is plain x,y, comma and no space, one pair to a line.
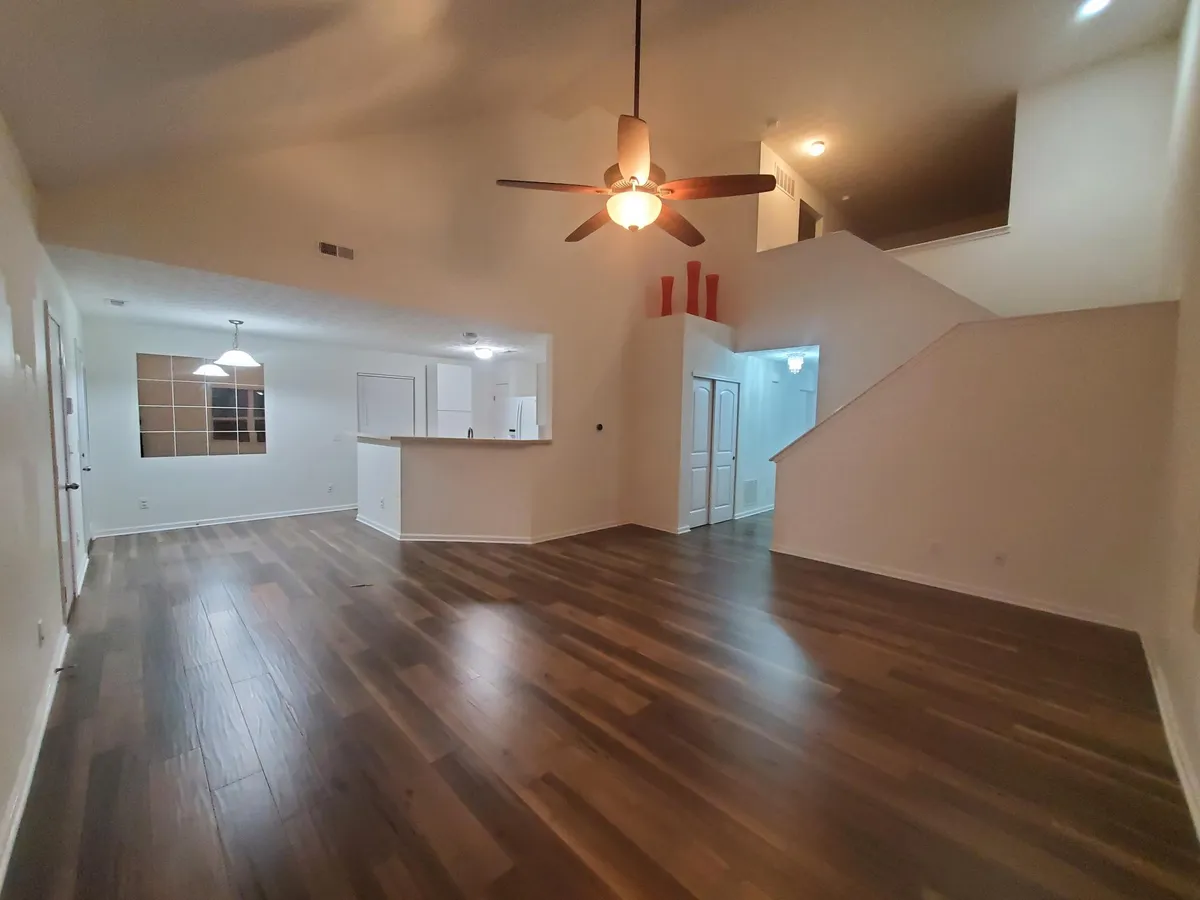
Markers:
449,489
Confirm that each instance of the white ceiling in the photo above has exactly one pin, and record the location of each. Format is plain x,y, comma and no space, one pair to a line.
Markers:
902,90
171,295
809,352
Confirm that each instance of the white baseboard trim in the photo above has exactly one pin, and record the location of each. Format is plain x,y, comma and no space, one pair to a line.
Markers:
486,538
572,532
1189,777
222,520
973,590
87,561
382,529
15,807
755,512
466,538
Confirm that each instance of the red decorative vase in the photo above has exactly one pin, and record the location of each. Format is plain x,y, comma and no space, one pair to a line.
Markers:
710,285
668,285
693,300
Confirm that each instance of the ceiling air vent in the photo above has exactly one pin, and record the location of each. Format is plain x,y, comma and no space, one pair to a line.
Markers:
334,250
786,182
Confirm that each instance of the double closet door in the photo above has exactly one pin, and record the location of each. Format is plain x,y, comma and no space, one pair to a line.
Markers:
713,452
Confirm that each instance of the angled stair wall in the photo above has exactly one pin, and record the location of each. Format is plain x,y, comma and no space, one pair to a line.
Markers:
868,312
1019,459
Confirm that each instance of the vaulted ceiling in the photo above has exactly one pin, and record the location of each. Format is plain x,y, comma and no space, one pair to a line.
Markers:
904,91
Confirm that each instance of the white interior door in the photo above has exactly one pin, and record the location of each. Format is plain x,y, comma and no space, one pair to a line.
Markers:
702,408
387,405
66,474
501,394
83,429
724,451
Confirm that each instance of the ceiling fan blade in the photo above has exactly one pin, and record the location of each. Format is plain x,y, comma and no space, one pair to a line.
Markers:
678,227
552,186
709,186
599,220
633,148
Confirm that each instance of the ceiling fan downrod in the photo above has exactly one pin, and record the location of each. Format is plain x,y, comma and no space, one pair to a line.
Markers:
637,60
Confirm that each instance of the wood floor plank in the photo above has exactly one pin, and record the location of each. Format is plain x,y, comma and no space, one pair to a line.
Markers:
303,707
261,862
229,753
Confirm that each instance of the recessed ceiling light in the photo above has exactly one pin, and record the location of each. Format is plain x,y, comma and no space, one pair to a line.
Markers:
815,148
1089,8
484,352
845,196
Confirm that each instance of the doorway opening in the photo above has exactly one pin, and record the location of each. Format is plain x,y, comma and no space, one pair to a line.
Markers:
811,224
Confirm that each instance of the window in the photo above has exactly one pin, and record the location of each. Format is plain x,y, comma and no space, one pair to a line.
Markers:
181,414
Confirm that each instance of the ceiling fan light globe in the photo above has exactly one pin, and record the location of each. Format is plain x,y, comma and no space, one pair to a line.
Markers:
237,358
634,209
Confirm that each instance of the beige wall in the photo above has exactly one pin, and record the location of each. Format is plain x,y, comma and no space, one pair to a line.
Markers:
29,588
653,371
432,232
779,214
1174,644
1088,203
868,312
1019,459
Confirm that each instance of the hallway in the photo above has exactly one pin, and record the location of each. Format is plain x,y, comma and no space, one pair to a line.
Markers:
303,708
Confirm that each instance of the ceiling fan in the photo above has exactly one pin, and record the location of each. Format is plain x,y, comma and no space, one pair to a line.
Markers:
636,188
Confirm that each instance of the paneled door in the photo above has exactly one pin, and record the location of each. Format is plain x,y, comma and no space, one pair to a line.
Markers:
723,459
701,451
66,474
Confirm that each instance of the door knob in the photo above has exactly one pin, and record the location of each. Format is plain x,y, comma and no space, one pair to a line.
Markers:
87,468
73,486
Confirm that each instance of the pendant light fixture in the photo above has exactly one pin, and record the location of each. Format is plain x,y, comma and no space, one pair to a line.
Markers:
236,357
211,370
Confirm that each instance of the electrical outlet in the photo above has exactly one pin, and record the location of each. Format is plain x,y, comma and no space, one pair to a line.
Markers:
1001,559
41,633
381,503
143,503
329,490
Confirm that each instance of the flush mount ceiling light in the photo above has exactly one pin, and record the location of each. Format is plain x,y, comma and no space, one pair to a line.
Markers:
814,148
795,364
236,357
472,340
636,187
1089,8
211,370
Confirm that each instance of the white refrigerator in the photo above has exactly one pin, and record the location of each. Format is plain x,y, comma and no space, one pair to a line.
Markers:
520,420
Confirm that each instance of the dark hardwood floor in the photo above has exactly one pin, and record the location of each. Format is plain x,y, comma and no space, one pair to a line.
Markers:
303,708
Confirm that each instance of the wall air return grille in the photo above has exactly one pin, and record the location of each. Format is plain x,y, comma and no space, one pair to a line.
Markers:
785,181
329,249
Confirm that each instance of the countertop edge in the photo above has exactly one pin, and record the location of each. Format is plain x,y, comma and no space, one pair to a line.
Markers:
486,442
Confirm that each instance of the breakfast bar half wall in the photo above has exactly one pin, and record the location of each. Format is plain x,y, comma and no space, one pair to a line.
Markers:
449,489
